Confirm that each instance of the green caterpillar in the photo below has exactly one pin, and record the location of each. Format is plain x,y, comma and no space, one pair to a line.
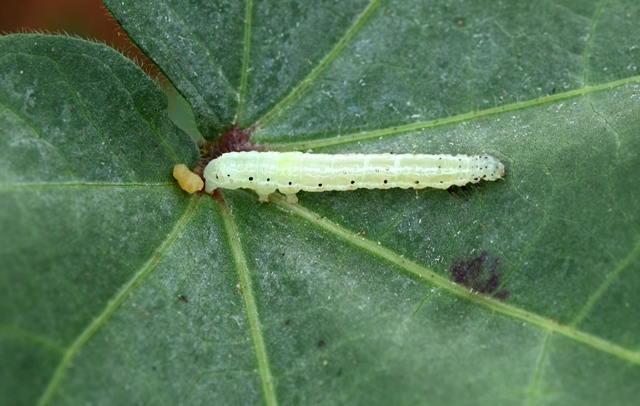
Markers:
291,172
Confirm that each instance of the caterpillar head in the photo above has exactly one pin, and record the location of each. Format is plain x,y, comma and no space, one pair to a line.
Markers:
216,175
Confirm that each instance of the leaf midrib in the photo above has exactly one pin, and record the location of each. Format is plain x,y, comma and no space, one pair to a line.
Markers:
115,303
35,185
320,67
245,60
251,308
549,325
422,125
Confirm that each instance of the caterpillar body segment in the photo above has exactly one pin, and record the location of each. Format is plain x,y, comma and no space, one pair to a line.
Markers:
291,172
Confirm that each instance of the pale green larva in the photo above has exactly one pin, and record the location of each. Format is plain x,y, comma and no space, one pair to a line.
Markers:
291,172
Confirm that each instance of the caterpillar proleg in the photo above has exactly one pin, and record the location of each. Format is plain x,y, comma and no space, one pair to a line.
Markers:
291,172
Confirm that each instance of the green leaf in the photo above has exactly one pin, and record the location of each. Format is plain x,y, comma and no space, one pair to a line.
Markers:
345,297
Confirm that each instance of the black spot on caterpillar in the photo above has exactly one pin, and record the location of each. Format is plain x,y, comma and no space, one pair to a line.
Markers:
479,274
291,172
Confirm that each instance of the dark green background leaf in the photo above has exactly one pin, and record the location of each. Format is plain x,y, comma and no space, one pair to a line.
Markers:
345,297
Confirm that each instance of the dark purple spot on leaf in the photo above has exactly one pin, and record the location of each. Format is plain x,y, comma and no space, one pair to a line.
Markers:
479,274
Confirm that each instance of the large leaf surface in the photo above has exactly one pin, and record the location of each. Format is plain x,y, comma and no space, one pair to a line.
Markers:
344,297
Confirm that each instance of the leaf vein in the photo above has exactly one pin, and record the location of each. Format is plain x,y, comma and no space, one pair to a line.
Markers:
114,304
245,59
539,369
12,331
400,129
605,284
41,137
587,51
252,309
322,65
35,185
495,305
